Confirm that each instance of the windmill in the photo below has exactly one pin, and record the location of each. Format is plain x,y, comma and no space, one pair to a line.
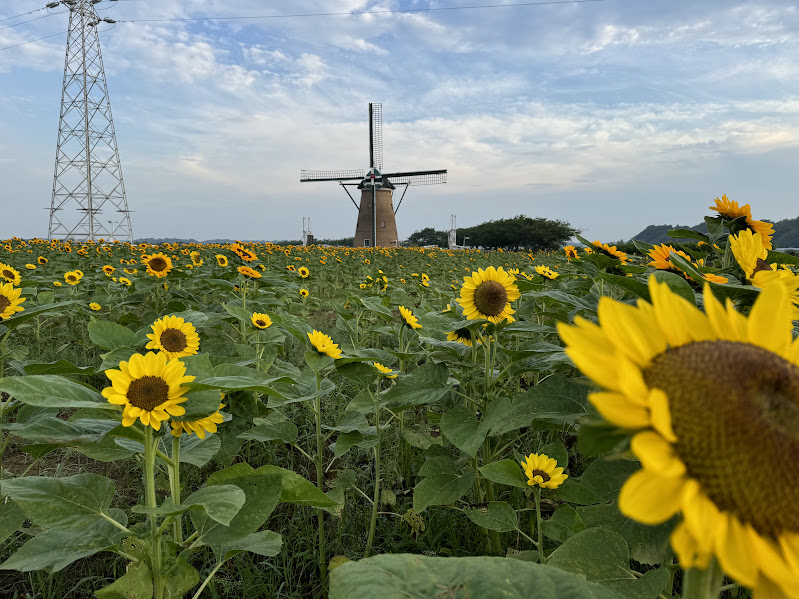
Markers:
376,214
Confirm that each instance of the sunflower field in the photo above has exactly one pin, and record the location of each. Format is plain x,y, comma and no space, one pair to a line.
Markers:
253,420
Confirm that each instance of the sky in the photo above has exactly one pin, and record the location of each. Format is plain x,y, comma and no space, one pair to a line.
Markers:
609,115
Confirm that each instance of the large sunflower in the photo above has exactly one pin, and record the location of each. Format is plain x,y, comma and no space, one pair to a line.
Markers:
303,272
409,318
149,388
198,427
174,336
488,294
158,265
750,252
730,209
610,250
713,401
324,345
10,300
10,274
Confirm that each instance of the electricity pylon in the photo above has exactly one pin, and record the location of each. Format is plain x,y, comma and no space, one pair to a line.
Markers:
88,201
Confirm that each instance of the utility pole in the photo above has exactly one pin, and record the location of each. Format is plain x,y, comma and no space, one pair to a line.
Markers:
88,174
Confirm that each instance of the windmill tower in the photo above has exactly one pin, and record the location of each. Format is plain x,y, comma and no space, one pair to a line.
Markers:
376,225
88,200
307,235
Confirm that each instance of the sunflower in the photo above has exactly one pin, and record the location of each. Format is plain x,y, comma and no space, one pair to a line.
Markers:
610,250
262,321
303,272
571,252
243,252
661,254
543,471
41,260
10,300
125,281
198,427
57,283
221,260
385,370
196,259
73,277
749,251
409,318
95,306
130,271
249,272
108,270
10,274
158,265
324,344
149,388
730,209
175,337
304,292
547,272
714,278
710,397
30,266
291,268
488,294
461,336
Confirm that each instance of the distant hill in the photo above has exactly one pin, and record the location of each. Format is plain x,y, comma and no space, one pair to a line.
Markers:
786,233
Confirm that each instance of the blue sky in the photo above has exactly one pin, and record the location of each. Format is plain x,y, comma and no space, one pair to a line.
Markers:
609,115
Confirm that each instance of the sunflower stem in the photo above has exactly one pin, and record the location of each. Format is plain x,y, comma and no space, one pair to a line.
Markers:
702,584
320,476
376,501
174,485
149,494
542,559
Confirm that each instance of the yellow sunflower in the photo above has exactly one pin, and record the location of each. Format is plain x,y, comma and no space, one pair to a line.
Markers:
198,427
221,260
710,397
610,250
73,277
304,292
158,265
660,255
488,294
174,337
95,306
324,344
385,370
196,259
108,270
10,300
409,318
249,272
730,209
10,274
30,266
125,281
543,471
571,252
749,251
262,321
461,336
57,283
149,388
303,272
41,260
547,272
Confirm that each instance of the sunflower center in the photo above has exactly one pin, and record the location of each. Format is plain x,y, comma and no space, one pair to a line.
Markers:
542,474
173,340
4,303
8,274
260,323
735,410
157,264
148,392
760,265
490,298
464,334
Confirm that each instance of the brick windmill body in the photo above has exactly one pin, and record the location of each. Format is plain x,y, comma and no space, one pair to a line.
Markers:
376,223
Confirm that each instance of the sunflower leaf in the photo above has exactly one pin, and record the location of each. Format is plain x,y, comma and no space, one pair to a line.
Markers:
496,515
50,391
109,335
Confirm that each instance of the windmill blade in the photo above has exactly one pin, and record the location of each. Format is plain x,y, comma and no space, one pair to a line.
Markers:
376,134
342,175
417,177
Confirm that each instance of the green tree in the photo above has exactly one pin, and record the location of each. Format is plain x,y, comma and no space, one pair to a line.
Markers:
520,232
428,236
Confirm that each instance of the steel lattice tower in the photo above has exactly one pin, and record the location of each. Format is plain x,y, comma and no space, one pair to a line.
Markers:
88,201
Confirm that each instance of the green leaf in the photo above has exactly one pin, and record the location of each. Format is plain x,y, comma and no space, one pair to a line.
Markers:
496,515
265,543
50,391
631,284
563,524
29,313
606,477
460,426
318,362
72,502
220,502
557,400
362,373
602,556
557,451
425,385
505,472
648,544
55,431
688,234
109,335
395,576
441,489
62,367
781,258
573,491
274,427
296,489
597,437
194,450
346,441
11,519
136,583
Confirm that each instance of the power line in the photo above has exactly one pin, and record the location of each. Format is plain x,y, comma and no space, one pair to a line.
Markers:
31,41
365,12
30,12
36,19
